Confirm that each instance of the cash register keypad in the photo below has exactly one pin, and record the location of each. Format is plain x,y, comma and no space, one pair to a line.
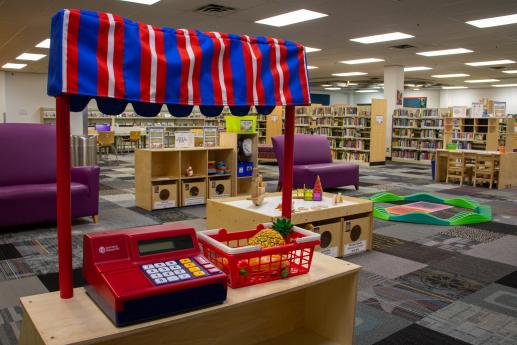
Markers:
178,270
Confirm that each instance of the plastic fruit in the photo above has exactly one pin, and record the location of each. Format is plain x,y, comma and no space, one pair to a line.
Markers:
267,238
266,263
283,226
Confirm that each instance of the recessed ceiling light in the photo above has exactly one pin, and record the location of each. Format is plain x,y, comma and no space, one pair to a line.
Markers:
291,18
474,81
453,75
143,2
332,88
14,65
454,87
446,52
514,71
367,91
416,89
325,85
494,21
417,68
44,44
409,85
505,85
30,57
490,63
348,74
360,61
312,67
311,50
392,36
346,84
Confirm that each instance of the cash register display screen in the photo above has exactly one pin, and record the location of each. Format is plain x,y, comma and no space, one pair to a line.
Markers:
162,245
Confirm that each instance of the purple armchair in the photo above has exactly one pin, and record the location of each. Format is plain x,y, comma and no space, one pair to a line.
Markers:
312,157
28,177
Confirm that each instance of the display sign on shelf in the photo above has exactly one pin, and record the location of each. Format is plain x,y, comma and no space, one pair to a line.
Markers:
156,137
210,136
184,139
459,112
477,109
499,109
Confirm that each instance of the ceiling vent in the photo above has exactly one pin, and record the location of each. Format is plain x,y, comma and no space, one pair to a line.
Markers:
497,68
403,46
215,10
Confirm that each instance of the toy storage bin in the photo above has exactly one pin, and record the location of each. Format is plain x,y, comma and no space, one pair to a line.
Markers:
251,264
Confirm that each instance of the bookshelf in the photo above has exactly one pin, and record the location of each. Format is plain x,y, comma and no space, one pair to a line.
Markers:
417,134
508,133
472,133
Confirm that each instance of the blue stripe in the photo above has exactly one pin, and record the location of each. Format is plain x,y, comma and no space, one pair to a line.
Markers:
55,78
87,53
206,85
240,84
173,82
132,60
294,73
265,72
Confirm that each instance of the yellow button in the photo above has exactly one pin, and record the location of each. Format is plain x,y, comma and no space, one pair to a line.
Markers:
199,273
190,264
193,269
184,261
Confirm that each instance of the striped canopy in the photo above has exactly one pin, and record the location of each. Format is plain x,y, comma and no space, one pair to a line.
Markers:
118,61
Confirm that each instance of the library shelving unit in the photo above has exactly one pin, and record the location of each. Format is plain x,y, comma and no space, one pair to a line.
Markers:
472,133
355,133
161,182
507,133
417,134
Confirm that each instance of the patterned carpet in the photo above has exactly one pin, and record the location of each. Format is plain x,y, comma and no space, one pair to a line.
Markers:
422,284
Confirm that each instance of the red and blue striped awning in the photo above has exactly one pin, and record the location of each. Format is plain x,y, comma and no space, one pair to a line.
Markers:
118,61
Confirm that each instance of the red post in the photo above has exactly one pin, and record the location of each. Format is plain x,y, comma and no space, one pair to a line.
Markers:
64,202
287,184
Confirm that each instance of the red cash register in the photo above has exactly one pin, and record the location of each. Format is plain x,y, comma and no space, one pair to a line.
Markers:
148,272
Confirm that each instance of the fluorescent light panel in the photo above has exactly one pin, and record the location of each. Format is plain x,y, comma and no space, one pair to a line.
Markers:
44,44
30,57
494,21
293,17
445,52
453,75
332,88
360,61
476,81
325,85
312,67
346,84
416,89
505,85
489,63
348,74
14,65
416,68
367,91
311,50
143,2
514,71
392,36
454,87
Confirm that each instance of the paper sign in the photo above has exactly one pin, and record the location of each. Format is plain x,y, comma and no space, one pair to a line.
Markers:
184,139
477,109
459,111
330,251
355,247
378,119
165,204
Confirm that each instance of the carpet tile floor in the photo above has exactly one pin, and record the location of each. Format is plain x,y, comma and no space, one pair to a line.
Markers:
422,284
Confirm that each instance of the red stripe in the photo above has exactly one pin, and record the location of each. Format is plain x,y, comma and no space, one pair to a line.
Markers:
248,65
145,63
227,68
118,57
303,74
198,54
274,71
218,95
161,70
285,69
71,52
258,56
185,63
102,55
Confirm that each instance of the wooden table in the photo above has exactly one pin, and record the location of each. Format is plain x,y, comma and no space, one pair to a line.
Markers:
507,166
317,308
342,221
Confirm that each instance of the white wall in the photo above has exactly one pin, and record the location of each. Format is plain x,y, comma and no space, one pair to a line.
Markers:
365,98
433,96
465,97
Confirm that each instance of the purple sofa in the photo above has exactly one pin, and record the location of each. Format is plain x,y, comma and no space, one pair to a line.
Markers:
312,157
28,177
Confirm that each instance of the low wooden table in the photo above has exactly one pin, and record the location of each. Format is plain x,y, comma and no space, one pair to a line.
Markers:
349,224
317,308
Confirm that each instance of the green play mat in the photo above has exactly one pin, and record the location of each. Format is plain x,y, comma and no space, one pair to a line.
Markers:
476,213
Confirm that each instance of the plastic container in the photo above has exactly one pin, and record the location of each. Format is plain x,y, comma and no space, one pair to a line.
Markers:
251,264
452,146
241,124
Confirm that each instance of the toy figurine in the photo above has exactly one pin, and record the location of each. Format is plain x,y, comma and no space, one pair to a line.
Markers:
258,190
307,194
221,168
317,192
298,193
189,171
211,168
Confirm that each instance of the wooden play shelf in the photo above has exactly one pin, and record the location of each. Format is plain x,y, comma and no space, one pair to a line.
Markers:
317,308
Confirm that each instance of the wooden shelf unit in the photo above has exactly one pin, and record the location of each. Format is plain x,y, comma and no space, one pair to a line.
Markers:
417,134
508,133
161,166
472,133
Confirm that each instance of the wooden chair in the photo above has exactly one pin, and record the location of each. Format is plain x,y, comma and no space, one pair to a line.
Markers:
133,140
486,169
105,141
455,167
470,164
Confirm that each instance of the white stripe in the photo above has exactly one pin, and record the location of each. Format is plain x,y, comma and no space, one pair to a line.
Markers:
154,64
220,68
254,65
192,58
279,69
64,47
109,62
306,76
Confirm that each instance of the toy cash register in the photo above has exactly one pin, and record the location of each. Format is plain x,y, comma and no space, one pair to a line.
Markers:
148,272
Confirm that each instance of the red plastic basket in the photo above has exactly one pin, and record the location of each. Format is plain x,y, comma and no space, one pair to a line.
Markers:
250,264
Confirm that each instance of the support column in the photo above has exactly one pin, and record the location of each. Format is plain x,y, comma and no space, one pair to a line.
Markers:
79,122
3,103
393,84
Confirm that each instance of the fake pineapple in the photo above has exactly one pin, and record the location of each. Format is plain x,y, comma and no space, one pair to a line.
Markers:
283,226
267,238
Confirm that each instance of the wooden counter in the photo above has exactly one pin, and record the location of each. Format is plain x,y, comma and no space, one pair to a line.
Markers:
317,308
